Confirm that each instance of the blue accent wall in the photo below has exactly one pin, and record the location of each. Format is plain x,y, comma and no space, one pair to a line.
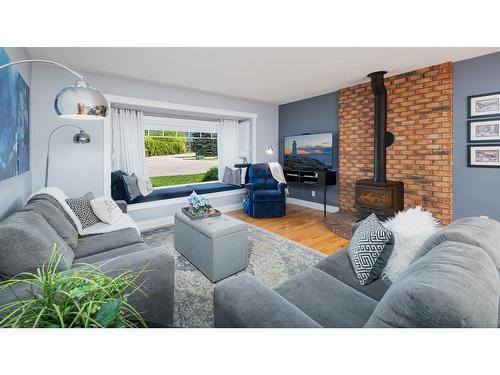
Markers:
475,190
313,115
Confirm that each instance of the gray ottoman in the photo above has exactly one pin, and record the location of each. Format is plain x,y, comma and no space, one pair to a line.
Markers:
216,246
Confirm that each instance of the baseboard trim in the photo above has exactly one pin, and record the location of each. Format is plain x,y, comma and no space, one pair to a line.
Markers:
169,220
315,205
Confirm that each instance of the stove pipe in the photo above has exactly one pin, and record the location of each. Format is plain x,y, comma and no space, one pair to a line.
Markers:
380,140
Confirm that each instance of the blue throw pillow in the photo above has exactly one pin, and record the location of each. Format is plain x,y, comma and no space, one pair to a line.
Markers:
131,187
118,191
370,249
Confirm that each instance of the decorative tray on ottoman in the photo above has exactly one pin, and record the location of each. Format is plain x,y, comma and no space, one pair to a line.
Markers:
185,211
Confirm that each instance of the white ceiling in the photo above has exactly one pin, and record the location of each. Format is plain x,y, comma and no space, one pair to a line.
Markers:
273,75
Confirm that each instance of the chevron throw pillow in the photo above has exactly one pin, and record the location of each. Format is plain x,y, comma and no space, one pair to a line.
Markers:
370,249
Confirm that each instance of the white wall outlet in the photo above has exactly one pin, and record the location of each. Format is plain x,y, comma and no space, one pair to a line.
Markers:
313,193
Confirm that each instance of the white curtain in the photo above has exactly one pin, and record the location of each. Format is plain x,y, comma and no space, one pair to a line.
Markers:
128,141
227,145
244,140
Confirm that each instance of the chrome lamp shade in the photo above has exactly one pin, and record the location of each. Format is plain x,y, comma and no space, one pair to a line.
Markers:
77,102
81,137
81,102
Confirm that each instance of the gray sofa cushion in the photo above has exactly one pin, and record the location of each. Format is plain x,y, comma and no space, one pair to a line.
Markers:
339,266
157,282
454,285
113,253
56,220
245,302
475,231
15,292
98,243
26,241
156,305
327,300
368,249
55,203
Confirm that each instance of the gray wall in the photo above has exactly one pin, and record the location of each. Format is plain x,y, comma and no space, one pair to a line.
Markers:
312,115
79,168
475,190
15,190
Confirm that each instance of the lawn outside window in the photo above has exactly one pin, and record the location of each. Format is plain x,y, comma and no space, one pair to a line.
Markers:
179,157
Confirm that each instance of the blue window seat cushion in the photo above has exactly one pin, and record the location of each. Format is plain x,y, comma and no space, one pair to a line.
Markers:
184,191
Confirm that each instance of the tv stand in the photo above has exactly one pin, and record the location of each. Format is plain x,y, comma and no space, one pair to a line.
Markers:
311,178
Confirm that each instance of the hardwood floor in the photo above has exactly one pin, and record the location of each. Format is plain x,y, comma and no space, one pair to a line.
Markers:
301,224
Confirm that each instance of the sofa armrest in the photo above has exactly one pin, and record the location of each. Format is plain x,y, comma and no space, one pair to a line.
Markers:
156,307
245,302
122,205
157,282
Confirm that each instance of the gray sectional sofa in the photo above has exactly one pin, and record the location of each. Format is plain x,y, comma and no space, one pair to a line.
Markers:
452,282
26,238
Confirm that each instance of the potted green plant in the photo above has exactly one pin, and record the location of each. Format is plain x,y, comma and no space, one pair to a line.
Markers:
85,297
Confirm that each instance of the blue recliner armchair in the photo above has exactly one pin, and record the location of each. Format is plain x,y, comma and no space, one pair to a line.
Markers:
265,196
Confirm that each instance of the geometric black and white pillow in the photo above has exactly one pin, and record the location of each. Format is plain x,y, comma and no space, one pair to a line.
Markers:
82,209
367,247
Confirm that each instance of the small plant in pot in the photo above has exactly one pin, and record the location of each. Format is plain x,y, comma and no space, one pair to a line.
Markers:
198,205
81,298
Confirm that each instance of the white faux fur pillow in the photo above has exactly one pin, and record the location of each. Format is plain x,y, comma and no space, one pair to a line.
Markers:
410,228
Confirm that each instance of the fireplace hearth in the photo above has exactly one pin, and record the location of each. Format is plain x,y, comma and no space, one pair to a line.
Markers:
379,196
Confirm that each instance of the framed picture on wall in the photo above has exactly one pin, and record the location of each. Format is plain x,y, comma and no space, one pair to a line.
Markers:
484,156
484,105
481,131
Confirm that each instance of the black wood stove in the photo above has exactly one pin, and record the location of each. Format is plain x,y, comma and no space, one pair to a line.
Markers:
379,196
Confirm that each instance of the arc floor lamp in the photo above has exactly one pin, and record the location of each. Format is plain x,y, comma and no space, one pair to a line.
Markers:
76,102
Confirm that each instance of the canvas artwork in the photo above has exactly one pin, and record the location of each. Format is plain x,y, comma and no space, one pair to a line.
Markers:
14,121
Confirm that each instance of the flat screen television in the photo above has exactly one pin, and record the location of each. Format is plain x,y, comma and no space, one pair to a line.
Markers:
309,151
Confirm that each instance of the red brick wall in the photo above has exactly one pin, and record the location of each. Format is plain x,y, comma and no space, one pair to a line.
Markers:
420,117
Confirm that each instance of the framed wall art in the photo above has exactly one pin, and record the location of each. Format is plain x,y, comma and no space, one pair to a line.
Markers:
484,105
484,156
483,131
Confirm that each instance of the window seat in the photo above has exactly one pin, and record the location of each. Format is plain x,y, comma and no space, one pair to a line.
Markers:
184,191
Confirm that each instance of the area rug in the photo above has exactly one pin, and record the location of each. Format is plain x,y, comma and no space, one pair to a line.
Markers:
272,259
